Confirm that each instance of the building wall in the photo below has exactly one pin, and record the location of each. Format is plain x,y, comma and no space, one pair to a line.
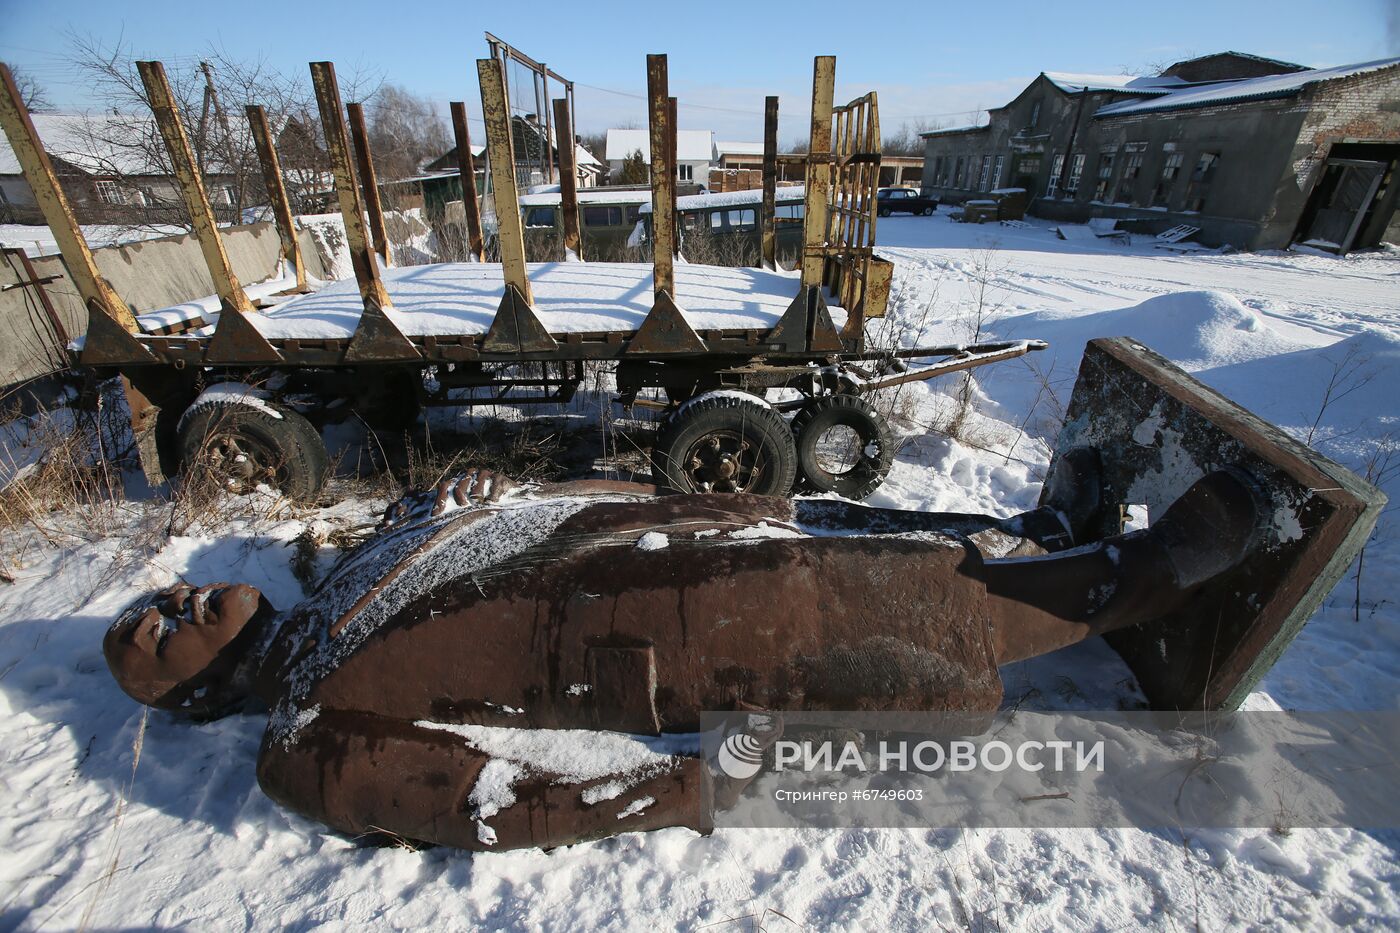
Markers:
1270,154
1363,108
700,170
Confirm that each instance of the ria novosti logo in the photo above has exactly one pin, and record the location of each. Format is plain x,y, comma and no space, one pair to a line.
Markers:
740,755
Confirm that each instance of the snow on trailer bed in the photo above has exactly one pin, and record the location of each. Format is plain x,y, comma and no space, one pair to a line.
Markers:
569,298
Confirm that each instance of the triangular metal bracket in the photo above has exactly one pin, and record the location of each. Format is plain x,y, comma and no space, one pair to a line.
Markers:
515,328
806,325
665,330
107,342
236,340
378,339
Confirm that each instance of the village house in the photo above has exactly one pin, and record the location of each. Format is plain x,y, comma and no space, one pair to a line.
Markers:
695,153
1254,152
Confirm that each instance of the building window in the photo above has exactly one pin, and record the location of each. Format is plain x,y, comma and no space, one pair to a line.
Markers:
937,170
1132,168
1028,172
1076,172
986,172
1052,184
685,172
109,192
958,174
1035,114
1171,170
1201,177
996,171
1104,184
604,216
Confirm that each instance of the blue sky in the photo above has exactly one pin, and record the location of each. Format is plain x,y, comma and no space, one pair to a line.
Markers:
930,61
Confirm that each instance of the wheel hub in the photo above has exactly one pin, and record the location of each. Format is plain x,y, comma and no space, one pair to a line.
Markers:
724,462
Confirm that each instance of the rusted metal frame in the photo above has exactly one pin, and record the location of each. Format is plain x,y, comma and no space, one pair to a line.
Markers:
816,227
768,214
674,132
276,191
568,179
466,168
663,176
500,151
971,361
31,279
376,337
369,182
206,225
548,128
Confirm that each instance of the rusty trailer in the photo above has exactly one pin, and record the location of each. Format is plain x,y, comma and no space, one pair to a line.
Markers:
209,382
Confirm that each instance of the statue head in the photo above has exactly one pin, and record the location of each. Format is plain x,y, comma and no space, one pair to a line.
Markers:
188,648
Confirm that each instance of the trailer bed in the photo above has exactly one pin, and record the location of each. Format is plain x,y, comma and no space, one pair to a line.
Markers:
452,299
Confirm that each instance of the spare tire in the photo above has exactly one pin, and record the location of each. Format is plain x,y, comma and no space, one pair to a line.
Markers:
726,441
843,446
239,439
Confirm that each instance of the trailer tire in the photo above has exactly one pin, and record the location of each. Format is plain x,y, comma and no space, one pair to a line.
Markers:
726,442
868,468
239,444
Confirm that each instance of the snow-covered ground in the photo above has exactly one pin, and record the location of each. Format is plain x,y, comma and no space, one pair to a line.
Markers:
116,817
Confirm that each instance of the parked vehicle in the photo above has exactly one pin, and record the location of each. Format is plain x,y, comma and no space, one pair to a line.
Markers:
905,201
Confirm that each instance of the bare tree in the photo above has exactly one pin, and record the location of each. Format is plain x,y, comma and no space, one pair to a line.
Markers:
405,131
906,141
35,98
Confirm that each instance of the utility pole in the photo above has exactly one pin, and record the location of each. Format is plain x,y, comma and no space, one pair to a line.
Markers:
211,97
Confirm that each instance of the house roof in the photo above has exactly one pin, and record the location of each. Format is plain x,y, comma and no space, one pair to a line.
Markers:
99,144
1072,83
955,130
724,148
691,145
1225,92
1291,66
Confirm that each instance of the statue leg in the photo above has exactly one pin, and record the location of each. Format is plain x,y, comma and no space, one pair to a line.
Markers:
361,774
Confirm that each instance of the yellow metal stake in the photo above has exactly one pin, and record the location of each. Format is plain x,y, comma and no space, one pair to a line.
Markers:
97,294
206,226
276,192
369,183
815,222
501,153
663,177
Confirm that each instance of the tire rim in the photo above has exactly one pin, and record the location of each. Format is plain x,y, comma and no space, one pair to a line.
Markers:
724,461
239,464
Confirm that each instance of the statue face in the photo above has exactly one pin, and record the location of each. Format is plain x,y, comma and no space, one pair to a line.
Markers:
182,648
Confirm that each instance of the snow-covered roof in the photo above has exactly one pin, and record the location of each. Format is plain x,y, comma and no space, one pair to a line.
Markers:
691,145
736,148
953,130
548,195
1072,83
695,202
97,143
1224,92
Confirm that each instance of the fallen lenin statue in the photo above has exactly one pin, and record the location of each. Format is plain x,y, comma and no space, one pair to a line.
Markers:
461,679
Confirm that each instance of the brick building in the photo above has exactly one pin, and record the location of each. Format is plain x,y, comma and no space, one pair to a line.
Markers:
1255,152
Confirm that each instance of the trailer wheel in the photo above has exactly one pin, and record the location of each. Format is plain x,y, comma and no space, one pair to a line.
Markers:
843,446
240,442
726,442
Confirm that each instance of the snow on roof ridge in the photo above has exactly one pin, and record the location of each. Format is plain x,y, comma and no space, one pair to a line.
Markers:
1284,85
1128,84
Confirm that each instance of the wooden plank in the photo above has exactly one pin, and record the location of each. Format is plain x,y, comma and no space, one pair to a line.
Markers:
369,182
815,227
568,178
663,176
500,150
95,290
466,168
276,191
